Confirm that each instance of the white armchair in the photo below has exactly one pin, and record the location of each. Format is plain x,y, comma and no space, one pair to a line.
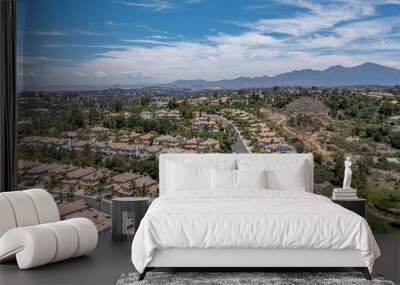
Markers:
31,230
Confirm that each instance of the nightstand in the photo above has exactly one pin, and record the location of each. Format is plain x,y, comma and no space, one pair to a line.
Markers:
357,205
120,207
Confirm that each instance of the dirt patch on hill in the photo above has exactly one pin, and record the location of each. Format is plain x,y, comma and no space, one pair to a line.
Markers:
306,105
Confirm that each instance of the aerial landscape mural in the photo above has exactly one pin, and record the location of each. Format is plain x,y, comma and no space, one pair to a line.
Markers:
106,86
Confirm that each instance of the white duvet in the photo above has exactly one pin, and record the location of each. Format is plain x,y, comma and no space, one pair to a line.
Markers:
250,219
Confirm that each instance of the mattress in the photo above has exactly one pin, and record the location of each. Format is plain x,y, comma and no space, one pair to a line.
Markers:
250,219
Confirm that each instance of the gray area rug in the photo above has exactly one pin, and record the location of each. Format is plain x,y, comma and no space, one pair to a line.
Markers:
236,278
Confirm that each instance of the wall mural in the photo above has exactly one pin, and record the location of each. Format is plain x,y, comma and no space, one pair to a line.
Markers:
106,86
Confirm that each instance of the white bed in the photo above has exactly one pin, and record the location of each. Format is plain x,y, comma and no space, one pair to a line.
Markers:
196,224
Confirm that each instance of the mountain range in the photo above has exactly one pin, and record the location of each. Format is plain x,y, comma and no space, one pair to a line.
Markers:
334,76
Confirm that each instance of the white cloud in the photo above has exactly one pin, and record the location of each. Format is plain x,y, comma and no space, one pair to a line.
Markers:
114,24
80,74
135,75
62,33
40,59
155,5
159,37
246,39
194,1
49,33
84,46
146,41
88,33
345,34
319,17
25,74
151,29
99,74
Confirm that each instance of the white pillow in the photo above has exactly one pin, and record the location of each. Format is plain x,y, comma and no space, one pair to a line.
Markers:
287,175
281,179
188,177
223,179
251,178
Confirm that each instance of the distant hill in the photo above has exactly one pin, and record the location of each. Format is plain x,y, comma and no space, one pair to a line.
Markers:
334,76
306,105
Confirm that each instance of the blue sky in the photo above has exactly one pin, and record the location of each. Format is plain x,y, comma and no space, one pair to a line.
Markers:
85,42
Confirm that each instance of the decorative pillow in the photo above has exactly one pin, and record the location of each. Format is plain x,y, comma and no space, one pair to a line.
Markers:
223,179
251,179
184,178
287,175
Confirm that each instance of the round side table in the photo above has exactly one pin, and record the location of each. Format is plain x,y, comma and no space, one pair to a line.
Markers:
120,208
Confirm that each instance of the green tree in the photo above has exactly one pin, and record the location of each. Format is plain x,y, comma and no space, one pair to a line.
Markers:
386,109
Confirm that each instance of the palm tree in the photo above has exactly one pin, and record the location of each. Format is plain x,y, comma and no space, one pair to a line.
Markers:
113,191
60,189
133,187
49,184
99,198
143,190
66,188
70,195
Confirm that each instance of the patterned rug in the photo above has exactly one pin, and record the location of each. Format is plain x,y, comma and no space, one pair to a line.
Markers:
243,278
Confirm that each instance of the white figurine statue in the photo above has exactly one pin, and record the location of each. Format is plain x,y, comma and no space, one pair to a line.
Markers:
347,173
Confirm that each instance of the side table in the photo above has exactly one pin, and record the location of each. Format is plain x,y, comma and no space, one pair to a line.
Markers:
120,208
357,205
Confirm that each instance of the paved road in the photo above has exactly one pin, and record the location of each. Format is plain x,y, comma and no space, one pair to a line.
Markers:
240,146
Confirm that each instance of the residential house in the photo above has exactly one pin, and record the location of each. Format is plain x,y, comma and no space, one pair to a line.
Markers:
394,120
161,114
209,145
124,138
39,173
192,144
174,114
176,151
146,115
79,145
124,178
163,140
134,136
267,134
99,131
26,164
112,148
140,183
73,178
146,138
279,148
150,150
169,140
72,135
91,180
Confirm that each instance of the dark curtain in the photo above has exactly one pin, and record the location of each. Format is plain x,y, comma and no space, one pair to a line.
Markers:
8,100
